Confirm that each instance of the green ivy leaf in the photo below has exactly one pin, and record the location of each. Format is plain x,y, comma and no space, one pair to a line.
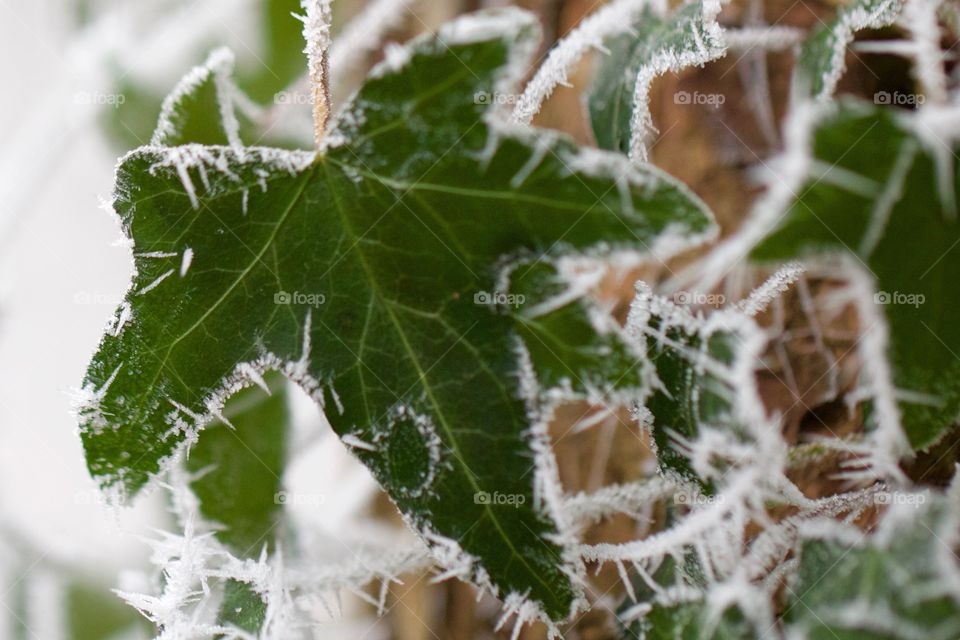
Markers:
873,190
364,274
237,469
194,112
703,368
573,344
278,61
894,584
822,58
688,36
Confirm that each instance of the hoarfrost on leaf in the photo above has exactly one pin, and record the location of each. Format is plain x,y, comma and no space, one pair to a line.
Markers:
610,20
872,164
822,58
364,274
619,112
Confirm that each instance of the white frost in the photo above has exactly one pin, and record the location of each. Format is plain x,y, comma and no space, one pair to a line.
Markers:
612,19
316,33
707,47
186,261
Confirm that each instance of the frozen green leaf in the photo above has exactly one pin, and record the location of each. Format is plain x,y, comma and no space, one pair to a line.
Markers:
201,110
699,377
672,607
822,58
875,191
619,114
574,345
237,469
276,61
369,275
897,583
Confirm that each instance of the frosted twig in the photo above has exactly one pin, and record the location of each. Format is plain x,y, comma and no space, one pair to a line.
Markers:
316,33
752,66
770,290
613,19
774,38
621,498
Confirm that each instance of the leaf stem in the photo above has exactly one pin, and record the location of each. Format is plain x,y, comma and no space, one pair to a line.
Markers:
316,33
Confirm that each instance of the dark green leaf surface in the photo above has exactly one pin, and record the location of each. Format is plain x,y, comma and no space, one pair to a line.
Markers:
238,469
242,607
364,274
874,192
573,345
